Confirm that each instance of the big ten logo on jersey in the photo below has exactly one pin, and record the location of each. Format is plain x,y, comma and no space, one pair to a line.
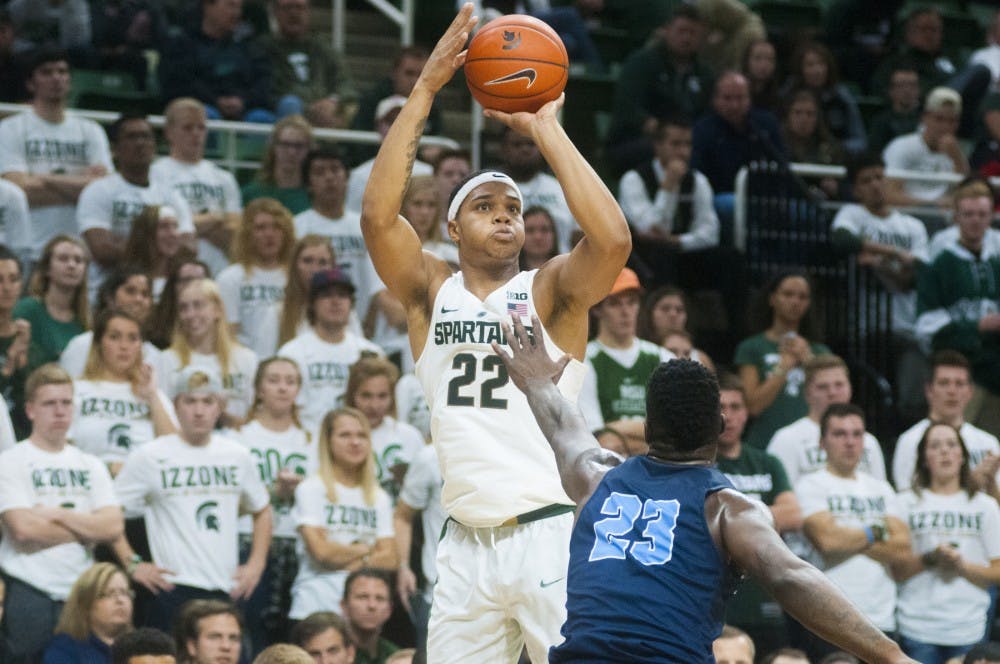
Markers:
120,436
270,461
261,293
648,542
517,303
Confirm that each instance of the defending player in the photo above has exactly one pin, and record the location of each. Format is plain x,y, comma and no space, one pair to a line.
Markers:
657,535
502,562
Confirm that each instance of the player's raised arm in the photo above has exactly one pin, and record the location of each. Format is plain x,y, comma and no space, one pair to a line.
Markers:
586,275
806,593
394,246
581,461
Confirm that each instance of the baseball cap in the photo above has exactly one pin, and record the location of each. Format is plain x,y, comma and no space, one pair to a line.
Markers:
626,281
198,380
324,279
388,105
942,98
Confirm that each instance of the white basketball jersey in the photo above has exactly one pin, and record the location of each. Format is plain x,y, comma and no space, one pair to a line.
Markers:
494,459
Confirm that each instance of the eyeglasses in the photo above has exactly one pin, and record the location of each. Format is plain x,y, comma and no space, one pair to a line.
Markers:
116,593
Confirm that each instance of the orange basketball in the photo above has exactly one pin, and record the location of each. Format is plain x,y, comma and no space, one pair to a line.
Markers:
516,63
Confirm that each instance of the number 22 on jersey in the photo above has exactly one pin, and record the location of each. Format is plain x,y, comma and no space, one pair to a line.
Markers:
612,535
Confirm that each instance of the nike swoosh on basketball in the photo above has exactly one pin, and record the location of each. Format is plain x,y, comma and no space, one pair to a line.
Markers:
544,584
448,311
527,73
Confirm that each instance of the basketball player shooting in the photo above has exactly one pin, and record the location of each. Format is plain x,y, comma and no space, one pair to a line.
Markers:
659,536
502,560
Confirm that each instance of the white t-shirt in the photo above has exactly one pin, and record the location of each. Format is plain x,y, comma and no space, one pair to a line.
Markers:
989,56
29,144
797,447
909,152
945,608
394,443
206,188
112,203
74,356
324,368
109,421
896,230
358,180
904,460
348,520
274,451
237,382
31,476
15,220
544,190
248,296
191,498
855,503
411,404
349,249
422,491
268,328
7,437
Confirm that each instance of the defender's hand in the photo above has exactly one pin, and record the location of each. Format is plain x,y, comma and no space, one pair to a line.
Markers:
449,53
530,362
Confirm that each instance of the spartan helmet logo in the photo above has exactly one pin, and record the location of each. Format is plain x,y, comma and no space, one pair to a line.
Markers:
512,39
119,436
206,515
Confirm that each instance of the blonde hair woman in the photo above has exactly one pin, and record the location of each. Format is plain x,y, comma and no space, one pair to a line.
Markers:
97,611
256,279
343,516
56,307
202,338
274,435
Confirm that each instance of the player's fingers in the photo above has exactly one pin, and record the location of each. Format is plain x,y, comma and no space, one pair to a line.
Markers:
459,59
461,20
501,352
522,334
537,338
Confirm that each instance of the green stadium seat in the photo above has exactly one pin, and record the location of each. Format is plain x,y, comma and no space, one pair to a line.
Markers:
108,91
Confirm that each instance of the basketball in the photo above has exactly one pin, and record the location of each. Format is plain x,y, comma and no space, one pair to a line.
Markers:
516,63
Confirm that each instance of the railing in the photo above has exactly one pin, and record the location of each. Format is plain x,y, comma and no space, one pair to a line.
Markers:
231,131
787,230
401,16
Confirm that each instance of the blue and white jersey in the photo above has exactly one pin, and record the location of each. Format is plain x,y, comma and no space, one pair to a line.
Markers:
646,582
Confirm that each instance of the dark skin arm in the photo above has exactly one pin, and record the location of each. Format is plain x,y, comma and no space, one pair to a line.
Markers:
743,530
740,528
582,462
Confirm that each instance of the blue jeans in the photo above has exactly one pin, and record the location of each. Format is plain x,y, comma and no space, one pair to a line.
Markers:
929,653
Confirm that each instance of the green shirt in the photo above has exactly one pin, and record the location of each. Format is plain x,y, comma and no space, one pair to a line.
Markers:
621,391
48,335
296,199
307,68
790,404
759,475
385,648
953,293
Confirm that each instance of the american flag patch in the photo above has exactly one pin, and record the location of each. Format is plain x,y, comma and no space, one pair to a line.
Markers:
519,308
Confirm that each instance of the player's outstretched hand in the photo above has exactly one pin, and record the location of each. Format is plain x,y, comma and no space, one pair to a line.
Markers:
449,53
529,362
527,123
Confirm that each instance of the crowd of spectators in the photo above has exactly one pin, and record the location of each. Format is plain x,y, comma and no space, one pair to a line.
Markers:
221,436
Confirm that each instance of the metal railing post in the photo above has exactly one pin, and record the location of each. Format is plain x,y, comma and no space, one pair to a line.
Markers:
337,27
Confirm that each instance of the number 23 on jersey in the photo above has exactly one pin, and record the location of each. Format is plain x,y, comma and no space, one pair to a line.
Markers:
614,537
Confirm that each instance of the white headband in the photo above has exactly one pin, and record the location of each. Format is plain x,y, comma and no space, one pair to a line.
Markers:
488,176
